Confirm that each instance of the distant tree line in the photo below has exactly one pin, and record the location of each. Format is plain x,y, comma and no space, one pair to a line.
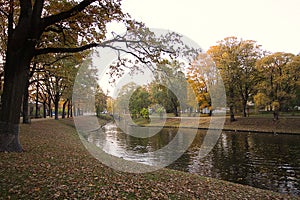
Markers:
250,75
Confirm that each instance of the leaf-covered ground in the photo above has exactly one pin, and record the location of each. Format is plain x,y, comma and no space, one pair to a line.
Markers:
55,165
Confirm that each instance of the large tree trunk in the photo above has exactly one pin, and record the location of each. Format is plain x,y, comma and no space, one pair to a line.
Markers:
37,113
14,85
44,109
20,50
56,102
49,106
25,112
69,107
23,35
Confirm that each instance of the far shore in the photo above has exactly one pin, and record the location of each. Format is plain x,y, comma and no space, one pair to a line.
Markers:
256,124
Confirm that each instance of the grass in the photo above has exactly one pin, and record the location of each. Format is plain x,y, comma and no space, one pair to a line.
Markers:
56,165
257,123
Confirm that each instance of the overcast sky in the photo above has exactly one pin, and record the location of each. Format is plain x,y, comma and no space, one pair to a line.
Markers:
275,24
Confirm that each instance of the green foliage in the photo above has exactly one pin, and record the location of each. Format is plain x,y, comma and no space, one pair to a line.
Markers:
280,78
100,101
105,117
139,102
169,88
261,100
275,105
236,61
199,77
144,113
122,100
86,90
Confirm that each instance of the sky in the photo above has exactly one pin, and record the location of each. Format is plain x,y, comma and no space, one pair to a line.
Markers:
274,24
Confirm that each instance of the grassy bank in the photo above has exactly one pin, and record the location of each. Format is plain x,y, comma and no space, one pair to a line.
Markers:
287,124
55,165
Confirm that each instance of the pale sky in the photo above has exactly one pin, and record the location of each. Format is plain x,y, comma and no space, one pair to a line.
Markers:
274,24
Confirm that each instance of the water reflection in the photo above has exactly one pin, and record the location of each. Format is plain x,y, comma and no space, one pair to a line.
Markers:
261,160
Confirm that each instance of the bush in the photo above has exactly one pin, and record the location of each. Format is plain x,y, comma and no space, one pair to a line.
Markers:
144,113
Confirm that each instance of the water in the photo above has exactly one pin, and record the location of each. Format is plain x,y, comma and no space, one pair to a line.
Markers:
264,161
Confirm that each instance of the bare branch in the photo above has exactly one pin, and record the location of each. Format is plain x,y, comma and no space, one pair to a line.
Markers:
56,60
4,13
55,29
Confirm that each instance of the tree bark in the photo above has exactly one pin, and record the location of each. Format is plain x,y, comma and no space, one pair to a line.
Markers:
174,105
231,104
25,112
49,107
275,115
64,110
69,107
20,51
44,109
37,100
244,108
15,79
56,102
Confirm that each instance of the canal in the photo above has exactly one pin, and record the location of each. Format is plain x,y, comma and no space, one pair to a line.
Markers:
266,161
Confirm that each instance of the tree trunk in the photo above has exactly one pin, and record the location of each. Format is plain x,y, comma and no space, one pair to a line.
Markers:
68,112
49,106
210,112
244,108
275,115
175,110
37,99
56,102
15,79
71,109
231,104
64,109
44,109
25,112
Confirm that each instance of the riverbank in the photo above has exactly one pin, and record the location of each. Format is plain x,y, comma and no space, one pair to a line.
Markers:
56,165
262,124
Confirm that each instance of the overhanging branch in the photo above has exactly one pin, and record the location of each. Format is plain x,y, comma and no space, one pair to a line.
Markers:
50,20
65,50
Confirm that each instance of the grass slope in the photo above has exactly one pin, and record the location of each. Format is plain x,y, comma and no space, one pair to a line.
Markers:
290,125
